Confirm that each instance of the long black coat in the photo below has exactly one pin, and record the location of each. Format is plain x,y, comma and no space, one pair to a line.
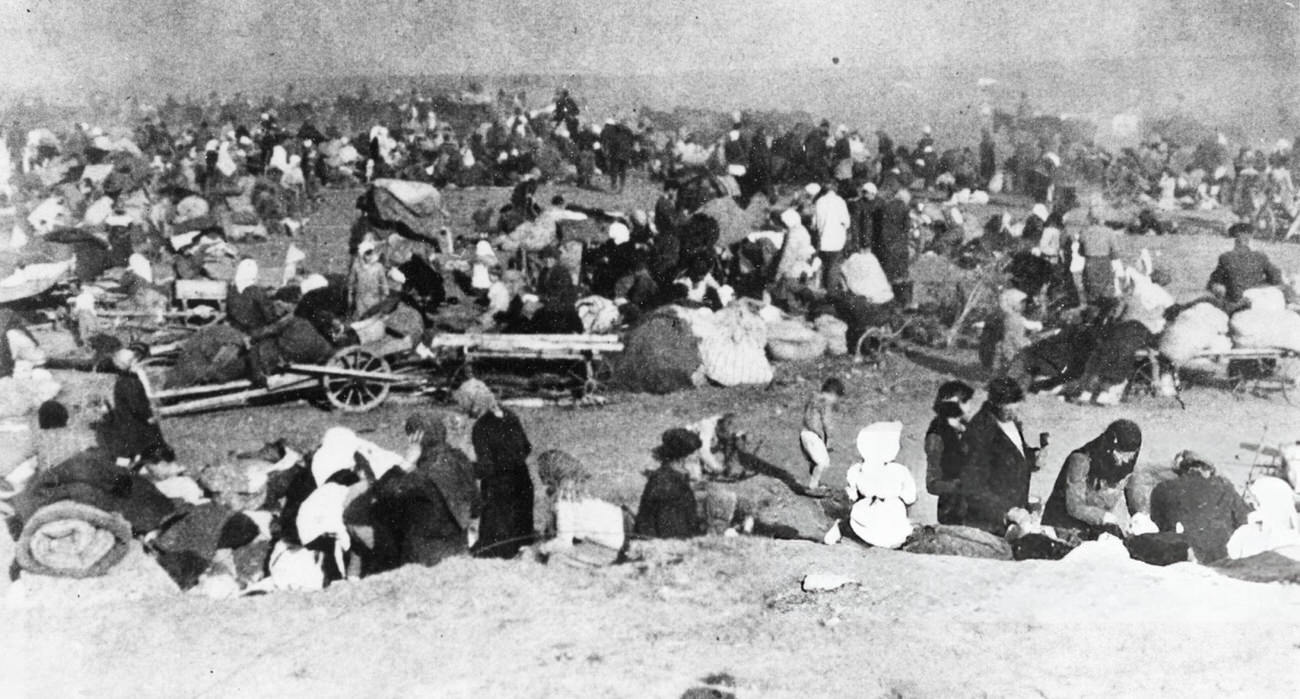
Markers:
995,477
502,448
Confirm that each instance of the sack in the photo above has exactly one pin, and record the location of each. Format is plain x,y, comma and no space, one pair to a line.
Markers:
733,354
1199,329
1265,298
835,331
791,340
1263,329
954,540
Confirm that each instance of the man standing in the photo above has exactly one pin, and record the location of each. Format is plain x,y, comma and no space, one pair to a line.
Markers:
995,476
865,213
1241,268
831,219
891,244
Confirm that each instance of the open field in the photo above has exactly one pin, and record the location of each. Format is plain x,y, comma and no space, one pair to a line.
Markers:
918,625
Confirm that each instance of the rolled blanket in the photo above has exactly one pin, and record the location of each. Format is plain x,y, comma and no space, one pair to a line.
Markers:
72,540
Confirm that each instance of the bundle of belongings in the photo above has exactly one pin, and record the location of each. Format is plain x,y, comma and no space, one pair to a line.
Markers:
1205,329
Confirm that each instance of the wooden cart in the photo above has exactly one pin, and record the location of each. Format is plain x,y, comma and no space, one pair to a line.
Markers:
355,380
588,353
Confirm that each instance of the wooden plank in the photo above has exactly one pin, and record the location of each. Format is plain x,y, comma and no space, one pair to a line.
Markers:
231,399
272,382
319,370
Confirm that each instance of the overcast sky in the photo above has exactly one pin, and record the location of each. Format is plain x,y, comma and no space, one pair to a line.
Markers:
115,43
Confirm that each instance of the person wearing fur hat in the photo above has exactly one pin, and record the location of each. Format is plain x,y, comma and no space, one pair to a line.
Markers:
668,508
943,448
999,462
502,449
880,488
1090,494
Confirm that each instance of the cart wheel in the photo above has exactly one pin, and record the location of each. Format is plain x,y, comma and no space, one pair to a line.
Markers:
355,395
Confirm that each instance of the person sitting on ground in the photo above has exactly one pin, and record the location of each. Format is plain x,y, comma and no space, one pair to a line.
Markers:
999,462
424,511
814,434
668,508
575,516
718,433
880,488
1199,504
1090,495
943,448
1242,268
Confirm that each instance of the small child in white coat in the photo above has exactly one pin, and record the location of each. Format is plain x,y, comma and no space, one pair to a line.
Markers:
881,489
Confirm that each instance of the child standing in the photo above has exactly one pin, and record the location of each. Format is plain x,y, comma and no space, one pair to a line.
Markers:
1016,330
368,281
943,453
814,437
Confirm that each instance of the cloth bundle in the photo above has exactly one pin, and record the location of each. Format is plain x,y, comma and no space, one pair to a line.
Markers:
835,331
72,539
791,340
1263,328
953,540
1201,328
733,352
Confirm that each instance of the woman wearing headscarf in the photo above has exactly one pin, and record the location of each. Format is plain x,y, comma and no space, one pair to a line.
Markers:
275,337
999,462
1089,497
502,448
426,509
668,507
880,488
133,431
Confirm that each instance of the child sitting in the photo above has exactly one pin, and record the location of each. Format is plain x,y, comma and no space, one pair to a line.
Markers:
880,488
576,517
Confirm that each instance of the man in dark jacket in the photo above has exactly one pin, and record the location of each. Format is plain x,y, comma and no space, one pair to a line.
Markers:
1241,268
995,477
817,152
618,142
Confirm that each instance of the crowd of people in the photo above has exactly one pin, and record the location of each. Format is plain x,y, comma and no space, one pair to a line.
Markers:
162,202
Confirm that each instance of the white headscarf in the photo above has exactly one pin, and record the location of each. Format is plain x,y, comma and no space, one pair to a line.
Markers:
245,274
882,488
619,233
337,452
313,282
140,267
1040,211
790,218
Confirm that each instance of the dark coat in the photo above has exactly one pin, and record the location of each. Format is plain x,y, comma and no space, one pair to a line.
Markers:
502,449
92,479
668,509
995,477
1209,509
1242,268
890,246
131,429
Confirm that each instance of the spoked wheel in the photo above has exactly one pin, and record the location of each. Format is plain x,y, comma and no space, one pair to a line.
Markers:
355,394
